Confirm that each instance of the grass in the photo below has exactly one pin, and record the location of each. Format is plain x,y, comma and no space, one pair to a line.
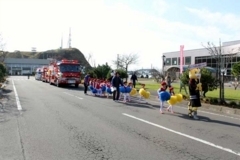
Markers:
230,93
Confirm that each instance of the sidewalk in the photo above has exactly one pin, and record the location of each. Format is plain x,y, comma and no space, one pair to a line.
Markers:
205,107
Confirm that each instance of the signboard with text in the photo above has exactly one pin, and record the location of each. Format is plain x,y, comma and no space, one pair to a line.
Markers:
199,65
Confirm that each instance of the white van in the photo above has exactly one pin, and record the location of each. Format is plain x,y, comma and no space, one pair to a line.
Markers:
38,74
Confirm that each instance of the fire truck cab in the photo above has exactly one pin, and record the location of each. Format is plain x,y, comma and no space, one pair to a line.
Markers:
64,72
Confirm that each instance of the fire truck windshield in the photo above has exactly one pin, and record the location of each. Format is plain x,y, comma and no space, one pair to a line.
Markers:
69,68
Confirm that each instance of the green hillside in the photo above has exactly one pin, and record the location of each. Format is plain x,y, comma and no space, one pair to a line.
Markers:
68,53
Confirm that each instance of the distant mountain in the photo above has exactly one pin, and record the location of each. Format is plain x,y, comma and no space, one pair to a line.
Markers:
59,54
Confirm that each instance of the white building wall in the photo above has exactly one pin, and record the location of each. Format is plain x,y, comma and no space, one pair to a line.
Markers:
235,48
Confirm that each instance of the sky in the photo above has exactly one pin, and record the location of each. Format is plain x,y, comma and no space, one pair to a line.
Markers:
105,28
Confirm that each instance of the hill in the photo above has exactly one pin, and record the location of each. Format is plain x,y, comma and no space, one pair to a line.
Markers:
68,53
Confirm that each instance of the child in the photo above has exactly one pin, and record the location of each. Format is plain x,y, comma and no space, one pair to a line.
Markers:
162,89
108,84
126,96
98,87
171,91
130,85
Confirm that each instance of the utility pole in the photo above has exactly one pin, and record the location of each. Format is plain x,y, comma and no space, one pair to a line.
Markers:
117,61
221,60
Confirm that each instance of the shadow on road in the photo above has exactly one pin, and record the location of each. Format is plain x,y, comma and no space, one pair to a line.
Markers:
7,90
80,88
206,119
141,105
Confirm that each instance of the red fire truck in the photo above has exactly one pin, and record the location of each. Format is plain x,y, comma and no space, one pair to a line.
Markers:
44,74
64,72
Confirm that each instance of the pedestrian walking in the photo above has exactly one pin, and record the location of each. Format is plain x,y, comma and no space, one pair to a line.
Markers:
134,79
168,80
183,86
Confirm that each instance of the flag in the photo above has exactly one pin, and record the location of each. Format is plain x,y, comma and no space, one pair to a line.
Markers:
181,58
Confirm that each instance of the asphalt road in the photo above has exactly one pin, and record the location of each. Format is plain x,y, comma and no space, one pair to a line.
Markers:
51,123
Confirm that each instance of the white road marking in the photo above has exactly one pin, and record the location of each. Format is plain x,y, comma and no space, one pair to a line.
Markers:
17,98
73,95
185,135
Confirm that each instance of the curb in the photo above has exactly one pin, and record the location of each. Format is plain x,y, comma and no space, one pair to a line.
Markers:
208,107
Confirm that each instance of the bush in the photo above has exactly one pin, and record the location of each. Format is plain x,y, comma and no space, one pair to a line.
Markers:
214,101
232,104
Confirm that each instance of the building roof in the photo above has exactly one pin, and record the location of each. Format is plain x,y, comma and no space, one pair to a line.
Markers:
26,61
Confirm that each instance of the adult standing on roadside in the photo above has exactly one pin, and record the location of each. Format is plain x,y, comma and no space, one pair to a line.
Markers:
86,82
112,75
116,82
134,79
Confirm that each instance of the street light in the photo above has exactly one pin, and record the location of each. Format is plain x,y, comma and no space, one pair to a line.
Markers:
163,63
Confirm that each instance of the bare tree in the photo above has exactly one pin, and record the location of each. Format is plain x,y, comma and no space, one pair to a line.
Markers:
90,60
3,54
124,61
222,61
157,74
236,83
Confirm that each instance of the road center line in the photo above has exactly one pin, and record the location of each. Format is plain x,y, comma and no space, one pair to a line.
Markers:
16,96
185,135
72,95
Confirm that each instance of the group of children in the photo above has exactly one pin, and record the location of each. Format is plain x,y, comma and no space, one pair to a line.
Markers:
163,89
104,88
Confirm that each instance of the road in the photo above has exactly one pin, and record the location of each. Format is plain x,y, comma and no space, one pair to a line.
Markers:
45,122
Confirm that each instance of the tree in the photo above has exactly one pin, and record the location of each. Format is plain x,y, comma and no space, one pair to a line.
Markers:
156,74
3,72
236,69
236,73
90,60
101,71
222,61
3,54
209,83
122,73
124,61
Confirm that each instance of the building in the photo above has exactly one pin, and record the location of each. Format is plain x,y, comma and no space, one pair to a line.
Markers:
24,66
195,56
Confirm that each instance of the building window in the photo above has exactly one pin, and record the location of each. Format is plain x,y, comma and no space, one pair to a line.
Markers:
214,60
179,61
238,59
209,61
174,61
198,60
187,60
213,65
168,62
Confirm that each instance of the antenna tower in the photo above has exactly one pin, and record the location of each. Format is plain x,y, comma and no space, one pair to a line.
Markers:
69,40
61,42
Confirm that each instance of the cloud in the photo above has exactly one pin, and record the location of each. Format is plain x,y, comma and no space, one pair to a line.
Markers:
103,30
160,6
229,20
